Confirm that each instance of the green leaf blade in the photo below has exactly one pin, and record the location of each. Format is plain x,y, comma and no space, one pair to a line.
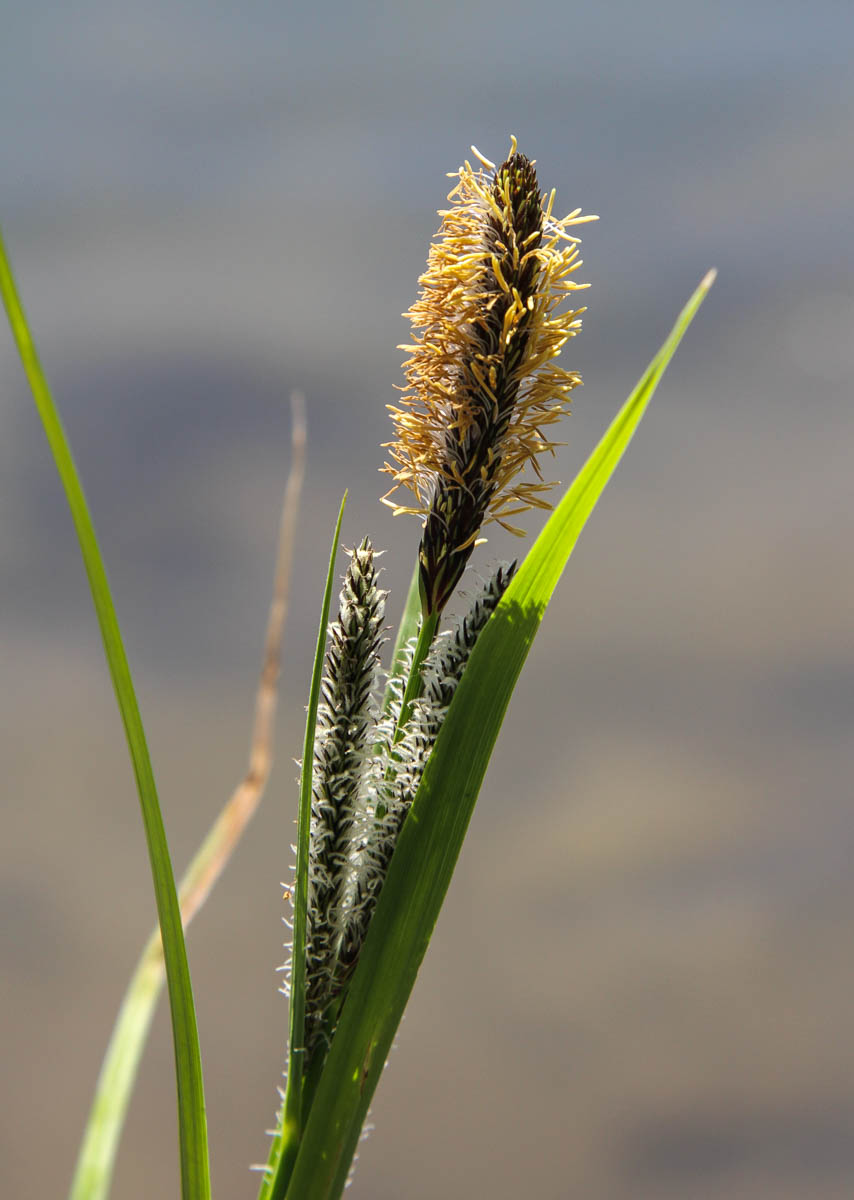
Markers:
406,630
433,833
192,1122
95,1161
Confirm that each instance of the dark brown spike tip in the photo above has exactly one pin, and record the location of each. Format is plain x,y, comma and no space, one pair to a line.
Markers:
518,176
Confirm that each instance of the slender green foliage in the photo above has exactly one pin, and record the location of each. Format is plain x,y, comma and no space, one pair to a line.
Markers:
433,833
192,1123
100,1143
387,790
426,633
406,630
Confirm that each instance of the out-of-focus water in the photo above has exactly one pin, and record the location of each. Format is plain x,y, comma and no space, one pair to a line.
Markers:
641,984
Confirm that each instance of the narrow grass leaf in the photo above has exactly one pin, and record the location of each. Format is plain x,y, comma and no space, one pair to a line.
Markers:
99,1146
286,1138
432,836
98,1149
192,1124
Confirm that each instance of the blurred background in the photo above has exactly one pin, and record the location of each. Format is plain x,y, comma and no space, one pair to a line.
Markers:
642,980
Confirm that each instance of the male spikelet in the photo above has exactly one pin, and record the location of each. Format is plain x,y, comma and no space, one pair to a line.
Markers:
481,381
346,721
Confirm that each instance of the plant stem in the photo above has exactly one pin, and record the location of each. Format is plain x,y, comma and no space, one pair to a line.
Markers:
414,683
407,629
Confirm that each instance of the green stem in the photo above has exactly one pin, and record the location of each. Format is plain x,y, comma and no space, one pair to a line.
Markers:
103,1129
432,835
407,628
288,1145
414,683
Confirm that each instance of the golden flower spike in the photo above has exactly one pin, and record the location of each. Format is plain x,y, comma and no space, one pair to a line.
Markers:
481,382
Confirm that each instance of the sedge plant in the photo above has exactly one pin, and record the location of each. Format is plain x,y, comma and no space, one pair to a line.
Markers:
393,758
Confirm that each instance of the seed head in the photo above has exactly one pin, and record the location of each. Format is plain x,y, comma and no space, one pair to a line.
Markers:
481,380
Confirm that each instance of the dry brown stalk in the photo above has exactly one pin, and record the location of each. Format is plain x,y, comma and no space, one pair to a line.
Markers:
218,846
